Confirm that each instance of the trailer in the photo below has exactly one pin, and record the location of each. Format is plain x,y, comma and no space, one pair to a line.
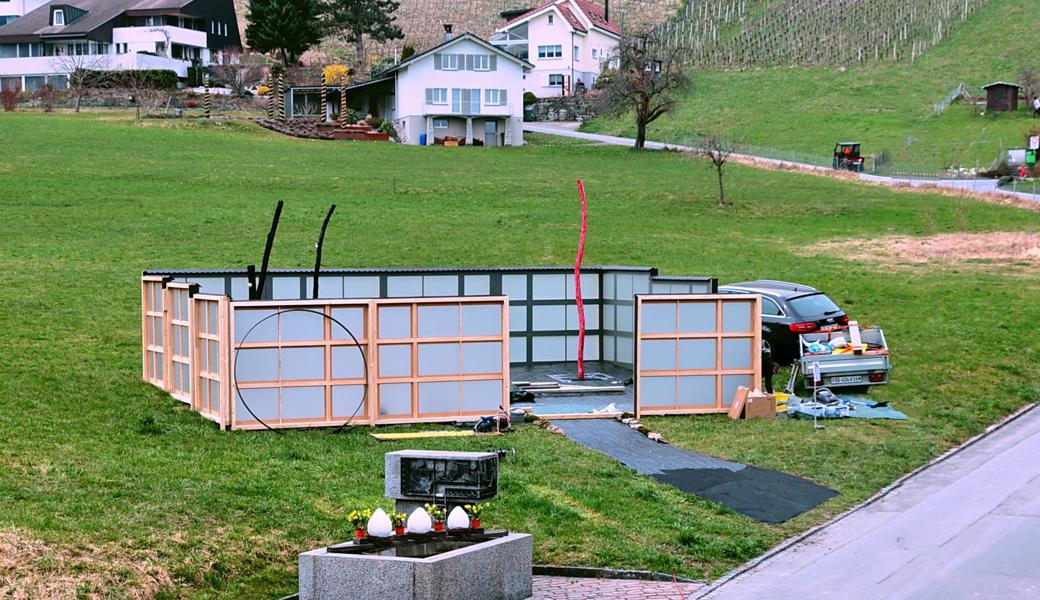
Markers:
846,357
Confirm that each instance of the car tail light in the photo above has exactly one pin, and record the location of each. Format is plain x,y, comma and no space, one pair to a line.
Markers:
844,320
803,327
877,377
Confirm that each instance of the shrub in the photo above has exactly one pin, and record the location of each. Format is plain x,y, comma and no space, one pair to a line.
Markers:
47,95
336,73
530,98
192,103
156,79
407,51
9,97
195,76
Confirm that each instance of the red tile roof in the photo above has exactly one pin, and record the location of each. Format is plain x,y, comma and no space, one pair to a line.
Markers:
593,12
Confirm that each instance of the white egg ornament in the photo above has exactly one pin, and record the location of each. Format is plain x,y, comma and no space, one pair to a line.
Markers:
458,519
379,525
419,521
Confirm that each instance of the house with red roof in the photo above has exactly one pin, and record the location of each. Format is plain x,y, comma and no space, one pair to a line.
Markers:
569,42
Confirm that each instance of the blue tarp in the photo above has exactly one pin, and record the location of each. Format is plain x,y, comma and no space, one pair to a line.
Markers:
852,407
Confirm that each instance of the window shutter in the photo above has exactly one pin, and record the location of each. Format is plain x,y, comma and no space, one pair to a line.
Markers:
429,95
437,61
493,63
502,97
469,62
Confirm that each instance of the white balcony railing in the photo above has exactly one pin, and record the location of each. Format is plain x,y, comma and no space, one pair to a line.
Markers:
49,65
466,110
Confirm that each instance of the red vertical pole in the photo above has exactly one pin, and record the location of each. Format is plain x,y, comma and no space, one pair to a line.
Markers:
577,281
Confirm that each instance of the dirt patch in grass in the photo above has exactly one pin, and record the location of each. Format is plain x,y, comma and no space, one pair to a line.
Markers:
993,248
33,570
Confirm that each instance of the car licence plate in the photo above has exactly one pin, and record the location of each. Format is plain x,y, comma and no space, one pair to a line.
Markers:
847,379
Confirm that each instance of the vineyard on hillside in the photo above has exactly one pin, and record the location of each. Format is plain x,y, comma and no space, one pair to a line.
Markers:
748,33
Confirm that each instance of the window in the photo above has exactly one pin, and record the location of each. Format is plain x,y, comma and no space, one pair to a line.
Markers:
576,55
465,101
550,19
595,53
450,62
556,79
213,27
225,29
153,21
481,62
440,123
437,95
550,51
59,17
121,48
494,97
770,308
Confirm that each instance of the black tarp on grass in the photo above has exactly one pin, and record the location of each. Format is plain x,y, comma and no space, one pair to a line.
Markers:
762,494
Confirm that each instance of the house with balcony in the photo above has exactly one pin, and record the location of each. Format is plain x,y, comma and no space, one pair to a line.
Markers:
56,37
463,89
569,43
12,9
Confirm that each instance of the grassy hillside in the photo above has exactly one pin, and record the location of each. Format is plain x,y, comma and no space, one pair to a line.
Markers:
887,107
111,489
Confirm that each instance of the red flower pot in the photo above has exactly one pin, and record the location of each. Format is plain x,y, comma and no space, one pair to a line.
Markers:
359,533
438,526
399,530
474,523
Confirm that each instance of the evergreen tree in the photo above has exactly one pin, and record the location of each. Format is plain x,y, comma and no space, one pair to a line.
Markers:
285,27
354,19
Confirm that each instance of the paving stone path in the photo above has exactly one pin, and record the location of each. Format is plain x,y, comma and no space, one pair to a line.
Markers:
579,588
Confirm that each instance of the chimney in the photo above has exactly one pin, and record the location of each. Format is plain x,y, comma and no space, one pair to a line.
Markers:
606,10
447,32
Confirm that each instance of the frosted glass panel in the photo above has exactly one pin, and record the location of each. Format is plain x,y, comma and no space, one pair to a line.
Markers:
438,359
214,396
730,384
624,350
517,349
657,355
658,317
640,284
395,322
347,401
736,316
395,398
589,286
441,285
591,347
736,353
697,390
482,357
303,363
549,318
624,318
257,365
211,310
481,320
267,331
608,347
697,317
395,360
401,287
210,285
514,286
517,318
360,287
591,317
263,402
548,349
303,403
283,288
477,285
609,280
481,395
438,321
351,318
656,391
328,287
697,354
549,287
299,326
347,362
439,397
608,317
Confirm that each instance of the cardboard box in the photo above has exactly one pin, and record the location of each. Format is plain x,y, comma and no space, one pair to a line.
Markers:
760,405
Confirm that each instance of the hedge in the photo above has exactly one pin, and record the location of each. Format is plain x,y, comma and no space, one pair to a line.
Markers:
158,79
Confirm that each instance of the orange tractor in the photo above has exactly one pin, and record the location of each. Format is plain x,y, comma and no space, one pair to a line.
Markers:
847,157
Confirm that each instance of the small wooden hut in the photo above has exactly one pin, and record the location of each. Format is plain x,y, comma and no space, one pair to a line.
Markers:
1001,96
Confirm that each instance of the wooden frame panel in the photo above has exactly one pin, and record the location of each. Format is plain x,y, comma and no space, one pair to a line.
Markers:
153,321
209,325
718,336
369,341
178,341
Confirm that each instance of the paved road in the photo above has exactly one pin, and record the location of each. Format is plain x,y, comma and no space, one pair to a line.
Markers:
966,527
974,185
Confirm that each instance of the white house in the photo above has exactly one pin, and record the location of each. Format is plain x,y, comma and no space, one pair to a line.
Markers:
55,37
569,42
464,88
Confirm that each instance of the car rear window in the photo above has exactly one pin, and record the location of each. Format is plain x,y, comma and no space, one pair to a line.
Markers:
813,305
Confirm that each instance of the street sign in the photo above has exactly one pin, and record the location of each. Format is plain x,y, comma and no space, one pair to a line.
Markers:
1034,142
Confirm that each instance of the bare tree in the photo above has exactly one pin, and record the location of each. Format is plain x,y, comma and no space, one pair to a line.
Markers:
138,85
81,71
648,79
1030,83
239,70
716,148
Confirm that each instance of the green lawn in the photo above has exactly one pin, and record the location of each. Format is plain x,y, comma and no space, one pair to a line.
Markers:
110,486
801,113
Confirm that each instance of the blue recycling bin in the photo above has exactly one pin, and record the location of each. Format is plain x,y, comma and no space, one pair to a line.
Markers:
422,139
